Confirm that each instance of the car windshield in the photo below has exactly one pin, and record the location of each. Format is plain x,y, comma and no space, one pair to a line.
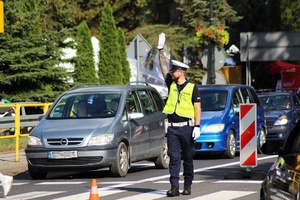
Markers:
83,105
276,102
213,100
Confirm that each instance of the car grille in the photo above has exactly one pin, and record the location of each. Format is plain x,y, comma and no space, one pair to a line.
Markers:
64,141
82,161
270,123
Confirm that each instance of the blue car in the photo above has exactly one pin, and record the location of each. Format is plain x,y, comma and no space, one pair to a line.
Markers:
220,132
282,112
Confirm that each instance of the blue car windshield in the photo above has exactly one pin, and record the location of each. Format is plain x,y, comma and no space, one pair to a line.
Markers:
86,105
213,100
276,102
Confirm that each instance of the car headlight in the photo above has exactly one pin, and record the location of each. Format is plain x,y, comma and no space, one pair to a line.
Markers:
101,139
34,141
215,128
283,120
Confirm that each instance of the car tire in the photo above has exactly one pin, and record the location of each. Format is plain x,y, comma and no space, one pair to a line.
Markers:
231,145
262,140
120,165
163,160
36,174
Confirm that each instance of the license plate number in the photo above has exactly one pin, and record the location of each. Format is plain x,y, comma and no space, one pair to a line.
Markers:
62,154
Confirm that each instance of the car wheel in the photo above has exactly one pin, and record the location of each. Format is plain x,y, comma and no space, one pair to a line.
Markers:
162,161
36,174
231,145
262,140
120,166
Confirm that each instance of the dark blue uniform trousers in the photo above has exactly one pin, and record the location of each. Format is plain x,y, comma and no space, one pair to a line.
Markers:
181,145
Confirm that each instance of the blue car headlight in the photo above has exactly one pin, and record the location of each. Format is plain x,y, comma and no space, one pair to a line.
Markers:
214,128
283,120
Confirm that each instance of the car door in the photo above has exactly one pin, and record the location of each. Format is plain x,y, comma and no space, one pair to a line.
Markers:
285,173
139,134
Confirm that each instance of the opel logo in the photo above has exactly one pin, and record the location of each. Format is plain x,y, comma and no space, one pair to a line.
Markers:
64,141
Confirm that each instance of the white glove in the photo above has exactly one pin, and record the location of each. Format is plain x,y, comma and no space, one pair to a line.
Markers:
161,41
196,133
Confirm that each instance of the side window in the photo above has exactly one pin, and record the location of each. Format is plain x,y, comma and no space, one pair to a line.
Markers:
246,96
132,103
158,100
296,100
236,99
255,97
146,102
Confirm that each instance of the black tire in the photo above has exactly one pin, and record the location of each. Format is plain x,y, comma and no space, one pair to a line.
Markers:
231,145
36,174
163,160
262,140
120,165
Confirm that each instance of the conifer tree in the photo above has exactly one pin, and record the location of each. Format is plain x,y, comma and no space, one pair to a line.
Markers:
110,69
124,62
29,56
84,60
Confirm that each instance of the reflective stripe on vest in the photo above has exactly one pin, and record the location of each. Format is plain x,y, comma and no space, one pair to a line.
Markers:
180,103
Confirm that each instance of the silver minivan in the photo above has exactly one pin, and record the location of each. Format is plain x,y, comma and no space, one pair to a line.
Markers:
95,127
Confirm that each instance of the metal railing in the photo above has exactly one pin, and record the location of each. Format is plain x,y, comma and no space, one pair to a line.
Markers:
18,121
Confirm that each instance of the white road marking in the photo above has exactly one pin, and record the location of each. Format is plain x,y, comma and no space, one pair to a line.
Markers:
33,195
224,195
147,196
238,181
61,183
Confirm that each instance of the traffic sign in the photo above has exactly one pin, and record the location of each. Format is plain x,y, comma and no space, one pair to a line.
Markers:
248,129
1,17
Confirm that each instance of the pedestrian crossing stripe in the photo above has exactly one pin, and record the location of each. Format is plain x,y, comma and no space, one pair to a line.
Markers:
33,195
224,195
61,183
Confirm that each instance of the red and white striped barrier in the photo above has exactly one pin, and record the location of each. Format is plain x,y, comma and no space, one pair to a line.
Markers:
248,129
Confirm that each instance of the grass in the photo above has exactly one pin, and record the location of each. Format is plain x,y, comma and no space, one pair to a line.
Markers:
9,144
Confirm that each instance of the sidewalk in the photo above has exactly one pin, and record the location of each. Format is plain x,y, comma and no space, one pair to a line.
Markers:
8,164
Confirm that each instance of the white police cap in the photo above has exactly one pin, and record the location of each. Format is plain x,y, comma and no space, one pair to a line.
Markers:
178,65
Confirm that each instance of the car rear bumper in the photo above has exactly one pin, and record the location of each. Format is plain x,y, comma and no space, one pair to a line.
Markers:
85,160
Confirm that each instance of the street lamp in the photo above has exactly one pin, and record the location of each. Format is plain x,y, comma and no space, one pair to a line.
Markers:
212,48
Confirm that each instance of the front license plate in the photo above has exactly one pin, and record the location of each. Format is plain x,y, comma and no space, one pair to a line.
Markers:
62,154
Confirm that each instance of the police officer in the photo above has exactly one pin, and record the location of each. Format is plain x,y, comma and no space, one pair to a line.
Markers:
183,108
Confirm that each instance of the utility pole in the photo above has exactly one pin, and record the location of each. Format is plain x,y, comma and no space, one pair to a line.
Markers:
212,49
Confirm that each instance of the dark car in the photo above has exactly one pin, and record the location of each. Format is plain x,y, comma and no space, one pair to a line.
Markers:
220,132
282,111
97,127
283,179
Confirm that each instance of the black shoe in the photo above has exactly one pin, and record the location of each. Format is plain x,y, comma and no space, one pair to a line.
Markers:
186,190
174,191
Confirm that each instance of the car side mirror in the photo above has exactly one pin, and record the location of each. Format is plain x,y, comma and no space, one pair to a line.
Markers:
40,117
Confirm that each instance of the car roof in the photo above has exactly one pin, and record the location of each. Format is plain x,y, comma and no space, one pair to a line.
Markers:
223,87
110,88
274,93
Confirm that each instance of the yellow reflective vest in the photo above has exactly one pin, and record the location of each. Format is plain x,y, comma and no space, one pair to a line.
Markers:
180,103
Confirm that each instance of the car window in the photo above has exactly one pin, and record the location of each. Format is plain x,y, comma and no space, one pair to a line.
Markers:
246,96
296,101
213,100
146,102
237,99
158,101
255,98
82,105
275,102
132,103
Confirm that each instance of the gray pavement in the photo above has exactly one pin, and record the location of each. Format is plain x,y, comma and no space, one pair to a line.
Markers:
9,165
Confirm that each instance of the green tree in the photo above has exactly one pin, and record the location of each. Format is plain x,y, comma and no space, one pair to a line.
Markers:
110,69
29,56
84,60
124,62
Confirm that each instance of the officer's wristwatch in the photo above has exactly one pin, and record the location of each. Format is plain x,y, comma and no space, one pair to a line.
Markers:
197,126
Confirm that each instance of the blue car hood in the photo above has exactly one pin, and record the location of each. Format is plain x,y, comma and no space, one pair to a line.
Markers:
208,118
71,127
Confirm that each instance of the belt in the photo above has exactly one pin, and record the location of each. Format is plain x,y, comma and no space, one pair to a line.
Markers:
181,124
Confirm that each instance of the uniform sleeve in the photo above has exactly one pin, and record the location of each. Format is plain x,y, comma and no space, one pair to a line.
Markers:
196,95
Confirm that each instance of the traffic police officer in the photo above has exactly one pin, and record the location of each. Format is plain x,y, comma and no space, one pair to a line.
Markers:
183,108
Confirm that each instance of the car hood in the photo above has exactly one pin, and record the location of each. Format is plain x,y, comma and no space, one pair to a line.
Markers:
211,118
71,127
276,113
